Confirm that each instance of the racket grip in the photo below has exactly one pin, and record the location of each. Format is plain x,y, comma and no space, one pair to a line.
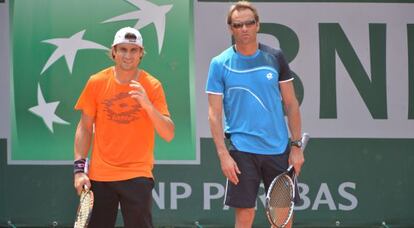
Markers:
86,165
305,139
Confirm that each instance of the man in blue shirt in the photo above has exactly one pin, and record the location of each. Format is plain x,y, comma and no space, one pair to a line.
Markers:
252,83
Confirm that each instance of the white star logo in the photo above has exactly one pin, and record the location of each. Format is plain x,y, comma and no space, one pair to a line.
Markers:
46,111
68,47
149,13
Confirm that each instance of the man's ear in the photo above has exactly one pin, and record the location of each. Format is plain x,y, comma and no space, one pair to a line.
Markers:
113,51
230,29
142,53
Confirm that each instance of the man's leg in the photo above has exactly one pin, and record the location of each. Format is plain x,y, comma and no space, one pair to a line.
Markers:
242,197
289,225
244,217
105,208
136,202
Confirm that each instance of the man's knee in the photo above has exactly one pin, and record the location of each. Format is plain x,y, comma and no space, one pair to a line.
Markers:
244,217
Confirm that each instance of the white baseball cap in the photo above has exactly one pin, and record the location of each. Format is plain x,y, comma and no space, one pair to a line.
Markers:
128,35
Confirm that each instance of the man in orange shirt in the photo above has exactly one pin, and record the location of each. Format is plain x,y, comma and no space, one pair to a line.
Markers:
122,108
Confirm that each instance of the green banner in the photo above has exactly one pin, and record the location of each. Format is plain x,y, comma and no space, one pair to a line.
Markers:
58,45
345,182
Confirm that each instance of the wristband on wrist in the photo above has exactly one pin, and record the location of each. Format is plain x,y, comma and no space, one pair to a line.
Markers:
79,166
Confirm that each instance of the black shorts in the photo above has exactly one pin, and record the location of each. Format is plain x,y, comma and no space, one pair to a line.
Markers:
254,168
133,195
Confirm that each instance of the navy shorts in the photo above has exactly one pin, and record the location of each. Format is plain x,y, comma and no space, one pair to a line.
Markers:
133,195
254,168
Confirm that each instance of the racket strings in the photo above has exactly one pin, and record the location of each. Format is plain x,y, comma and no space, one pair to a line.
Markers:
281,201
84,209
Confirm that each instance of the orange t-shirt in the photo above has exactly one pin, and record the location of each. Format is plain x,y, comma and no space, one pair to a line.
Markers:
123,142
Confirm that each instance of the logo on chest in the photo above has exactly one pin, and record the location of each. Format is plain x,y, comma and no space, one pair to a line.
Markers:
269,76
121,108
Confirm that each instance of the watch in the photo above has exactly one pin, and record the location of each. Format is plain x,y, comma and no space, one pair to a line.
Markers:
297,143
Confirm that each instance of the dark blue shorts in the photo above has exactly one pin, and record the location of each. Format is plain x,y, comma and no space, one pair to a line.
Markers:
254,168
133,195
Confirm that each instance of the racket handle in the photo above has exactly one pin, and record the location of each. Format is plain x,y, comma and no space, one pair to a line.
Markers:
305,139
86,170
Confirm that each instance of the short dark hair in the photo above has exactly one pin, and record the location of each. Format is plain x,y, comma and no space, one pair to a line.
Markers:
241,5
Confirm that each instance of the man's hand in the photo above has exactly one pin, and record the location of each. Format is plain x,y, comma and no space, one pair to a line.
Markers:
139,94
296,159
81,179
229,167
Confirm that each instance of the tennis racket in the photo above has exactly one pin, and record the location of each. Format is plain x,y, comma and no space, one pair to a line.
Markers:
84,209
84,212
281,194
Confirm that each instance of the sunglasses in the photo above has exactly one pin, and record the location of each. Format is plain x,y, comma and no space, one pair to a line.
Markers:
238,25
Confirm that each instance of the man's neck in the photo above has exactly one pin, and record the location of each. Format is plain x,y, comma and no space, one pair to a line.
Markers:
125,76
247,49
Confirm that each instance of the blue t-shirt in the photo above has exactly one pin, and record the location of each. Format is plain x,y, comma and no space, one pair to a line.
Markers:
251,98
